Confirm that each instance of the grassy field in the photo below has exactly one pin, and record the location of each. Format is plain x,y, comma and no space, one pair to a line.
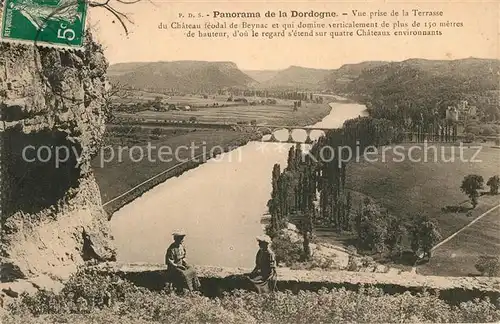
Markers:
134,96
408,189
132,135
458,256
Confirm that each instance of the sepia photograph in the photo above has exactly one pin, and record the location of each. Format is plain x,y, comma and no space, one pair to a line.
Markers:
249,161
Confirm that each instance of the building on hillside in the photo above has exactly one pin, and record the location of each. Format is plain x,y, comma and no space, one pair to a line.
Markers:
466,111
462,105
472,111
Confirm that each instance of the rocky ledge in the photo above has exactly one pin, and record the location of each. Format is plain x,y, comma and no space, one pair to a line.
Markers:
52,120
453,289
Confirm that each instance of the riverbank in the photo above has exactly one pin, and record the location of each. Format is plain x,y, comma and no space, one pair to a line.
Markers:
123,181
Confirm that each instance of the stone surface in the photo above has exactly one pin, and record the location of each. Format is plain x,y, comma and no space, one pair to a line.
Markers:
405,280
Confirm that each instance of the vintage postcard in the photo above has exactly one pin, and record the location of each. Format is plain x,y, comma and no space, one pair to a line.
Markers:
249,161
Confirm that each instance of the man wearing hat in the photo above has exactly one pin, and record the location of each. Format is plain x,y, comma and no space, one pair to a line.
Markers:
179,271
263,276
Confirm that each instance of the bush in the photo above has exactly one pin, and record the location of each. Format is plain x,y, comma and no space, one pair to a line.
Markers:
157,131
82,294
473,129
93,298
286,251
469,138
487,130
493,183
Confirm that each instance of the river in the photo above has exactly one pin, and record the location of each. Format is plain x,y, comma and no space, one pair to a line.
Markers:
219,205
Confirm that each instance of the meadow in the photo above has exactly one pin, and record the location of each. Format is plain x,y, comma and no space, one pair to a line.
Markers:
459,255
217,109
134,96
280,114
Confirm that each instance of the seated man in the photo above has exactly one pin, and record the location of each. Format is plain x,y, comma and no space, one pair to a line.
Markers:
179,271
263,276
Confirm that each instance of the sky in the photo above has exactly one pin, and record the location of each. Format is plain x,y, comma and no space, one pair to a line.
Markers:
479,36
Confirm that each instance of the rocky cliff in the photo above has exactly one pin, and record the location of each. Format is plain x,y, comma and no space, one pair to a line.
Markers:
52,120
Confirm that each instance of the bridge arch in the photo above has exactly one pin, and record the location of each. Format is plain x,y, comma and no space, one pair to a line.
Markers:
288,134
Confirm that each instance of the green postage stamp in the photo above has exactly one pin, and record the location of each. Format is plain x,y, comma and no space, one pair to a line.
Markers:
54,23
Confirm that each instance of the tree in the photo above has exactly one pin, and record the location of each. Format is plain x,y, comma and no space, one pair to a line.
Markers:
470,186
493,183
157,103
274,204
291,161
424,236
371,227
305,227
192,119
396,233
429,236
157,131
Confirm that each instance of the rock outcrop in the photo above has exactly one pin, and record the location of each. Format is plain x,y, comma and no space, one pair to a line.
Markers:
53,111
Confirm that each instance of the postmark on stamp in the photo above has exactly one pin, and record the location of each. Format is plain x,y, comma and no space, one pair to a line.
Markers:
54,23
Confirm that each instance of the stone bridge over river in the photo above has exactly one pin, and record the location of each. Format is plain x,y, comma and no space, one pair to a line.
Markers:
302,134
285,134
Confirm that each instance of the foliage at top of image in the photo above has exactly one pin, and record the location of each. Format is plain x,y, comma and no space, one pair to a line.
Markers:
92,298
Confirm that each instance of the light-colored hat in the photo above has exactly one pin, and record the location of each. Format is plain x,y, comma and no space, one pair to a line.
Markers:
264,238
179,233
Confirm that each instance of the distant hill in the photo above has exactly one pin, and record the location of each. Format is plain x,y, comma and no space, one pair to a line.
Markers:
338,79
185,76
261,75
298,77
418,88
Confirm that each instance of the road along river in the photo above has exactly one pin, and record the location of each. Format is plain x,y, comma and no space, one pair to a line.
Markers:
219,204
